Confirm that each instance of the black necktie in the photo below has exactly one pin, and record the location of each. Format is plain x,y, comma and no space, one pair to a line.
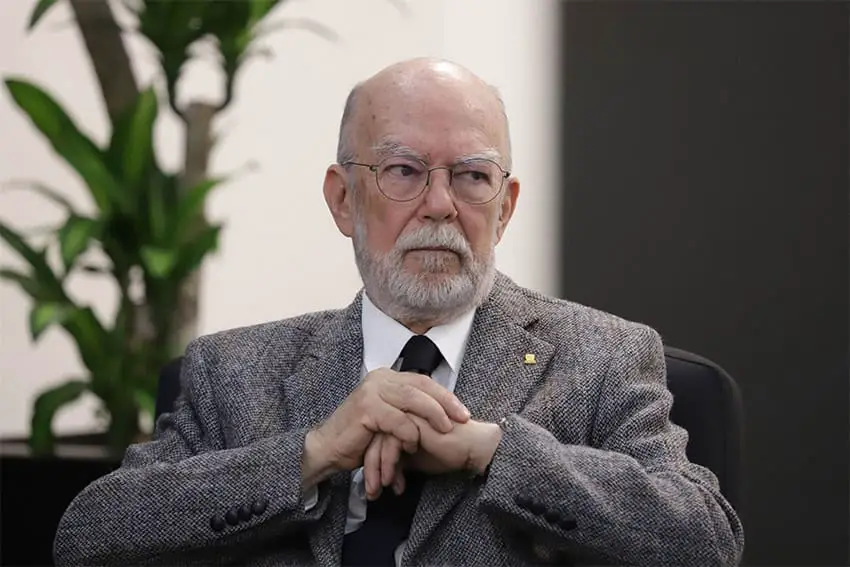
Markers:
388,518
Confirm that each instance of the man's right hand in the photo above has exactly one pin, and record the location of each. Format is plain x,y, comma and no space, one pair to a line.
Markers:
379,405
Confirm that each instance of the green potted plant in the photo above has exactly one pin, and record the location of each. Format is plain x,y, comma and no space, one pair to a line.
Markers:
150,226
149,234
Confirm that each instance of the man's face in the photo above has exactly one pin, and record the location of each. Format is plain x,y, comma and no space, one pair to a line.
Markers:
431,258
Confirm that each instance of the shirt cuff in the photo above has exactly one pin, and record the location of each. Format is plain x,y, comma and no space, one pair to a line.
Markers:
311,498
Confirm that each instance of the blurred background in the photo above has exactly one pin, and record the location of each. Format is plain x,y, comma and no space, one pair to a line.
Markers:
684,164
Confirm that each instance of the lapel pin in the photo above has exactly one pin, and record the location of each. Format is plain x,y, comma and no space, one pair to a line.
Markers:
530,358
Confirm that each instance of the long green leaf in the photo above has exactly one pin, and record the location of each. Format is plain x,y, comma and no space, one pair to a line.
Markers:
160,196
70,143
139,148
29,285
46,405
94,343
40,9
261,8
194,252
74,238
158,262
131,148
42,272
43,315
19,245
190,207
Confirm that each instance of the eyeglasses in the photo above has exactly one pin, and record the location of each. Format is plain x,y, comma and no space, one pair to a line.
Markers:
476,181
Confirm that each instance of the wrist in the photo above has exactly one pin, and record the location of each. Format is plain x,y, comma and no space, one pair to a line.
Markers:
492,436
316,464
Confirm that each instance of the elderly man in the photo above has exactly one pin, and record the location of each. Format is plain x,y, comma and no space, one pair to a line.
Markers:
447,416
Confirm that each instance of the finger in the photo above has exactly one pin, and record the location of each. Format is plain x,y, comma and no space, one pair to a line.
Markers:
410,399
372,467
392,421
424,428
453,407
390,455
398,479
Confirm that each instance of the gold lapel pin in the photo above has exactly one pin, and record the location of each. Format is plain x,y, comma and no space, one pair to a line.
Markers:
530,358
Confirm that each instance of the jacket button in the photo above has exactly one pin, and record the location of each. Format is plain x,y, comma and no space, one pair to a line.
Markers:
232,516
245,512
567,524
217,523
552,516
523,501
536,508
259,506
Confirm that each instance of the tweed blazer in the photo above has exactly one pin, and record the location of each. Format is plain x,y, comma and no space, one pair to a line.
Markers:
590,470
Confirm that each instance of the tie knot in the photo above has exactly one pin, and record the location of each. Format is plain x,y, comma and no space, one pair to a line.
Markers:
420,355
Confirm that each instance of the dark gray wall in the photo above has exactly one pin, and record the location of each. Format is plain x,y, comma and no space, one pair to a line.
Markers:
706,193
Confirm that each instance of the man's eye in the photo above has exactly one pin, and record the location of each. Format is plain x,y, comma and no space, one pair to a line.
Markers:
474,176
402,170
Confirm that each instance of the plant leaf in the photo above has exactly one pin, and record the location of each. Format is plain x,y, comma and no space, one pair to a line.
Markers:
93,342
44,191
192,253
158,262
45,314
139,149
29,285
40,9
70,143
131,147
43,274
190,207
160,196
74,238
46,405
260,9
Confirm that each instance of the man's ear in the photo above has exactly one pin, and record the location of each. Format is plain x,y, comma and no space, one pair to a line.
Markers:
338,197
507,206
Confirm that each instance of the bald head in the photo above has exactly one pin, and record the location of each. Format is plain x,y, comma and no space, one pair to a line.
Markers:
405,87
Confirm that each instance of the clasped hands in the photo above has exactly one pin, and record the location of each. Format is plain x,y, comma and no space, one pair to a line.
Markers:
395,421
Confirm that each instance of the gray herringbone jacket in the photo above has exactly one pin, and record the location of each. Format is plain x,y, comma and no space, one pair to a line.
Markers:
589,469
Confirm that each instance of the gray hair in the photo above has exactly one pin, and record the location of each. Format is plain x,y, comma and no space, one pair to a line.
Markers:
345,145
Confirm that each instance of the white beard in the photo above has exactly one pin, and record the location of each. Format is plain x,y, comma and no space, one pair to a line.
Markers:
431,296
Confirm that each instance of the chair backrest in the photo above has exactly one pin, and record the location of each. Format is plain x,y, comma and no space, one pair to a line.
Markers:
169,387
706,403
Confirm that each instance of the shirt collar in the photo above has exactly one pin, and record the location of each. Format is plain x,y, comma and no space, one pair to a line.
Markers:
384,337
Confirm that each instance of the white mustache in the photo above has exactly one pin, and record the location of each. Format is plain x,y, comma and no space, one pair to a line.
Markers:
440,237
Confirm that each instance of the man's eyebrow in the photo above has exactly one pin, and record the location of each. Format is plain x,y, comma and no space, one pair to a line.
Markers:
490,153
389,147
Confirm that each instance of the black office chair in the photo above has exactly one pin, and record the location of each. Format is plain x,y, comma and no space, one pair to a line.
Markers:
706,403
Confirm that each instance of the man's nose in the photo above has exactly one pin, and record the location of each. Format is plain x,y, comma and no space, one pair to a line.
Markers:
439,203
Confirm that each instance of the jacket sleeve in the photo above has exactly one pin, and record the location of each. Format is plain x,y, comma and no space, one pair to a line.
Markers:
185,491
632,498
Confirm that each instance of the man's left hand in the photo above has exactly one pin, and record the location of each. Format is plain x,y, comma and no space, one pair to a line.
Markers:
468,447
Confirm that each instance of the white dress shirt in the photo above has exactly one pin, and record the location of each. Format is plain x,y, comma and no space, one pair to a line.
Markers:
383,339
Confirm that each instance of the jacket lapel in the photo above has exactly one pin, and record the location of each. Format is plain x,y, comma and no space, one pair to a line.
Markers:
329,370
496,379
